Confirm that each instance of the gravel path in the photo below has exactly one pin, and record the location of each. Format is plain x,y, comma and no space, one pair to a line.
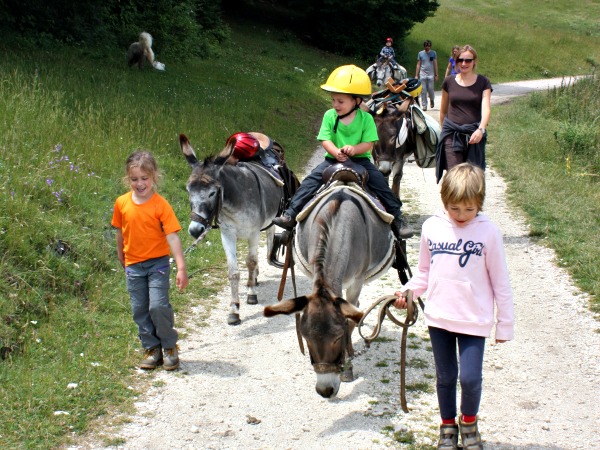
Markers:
249,387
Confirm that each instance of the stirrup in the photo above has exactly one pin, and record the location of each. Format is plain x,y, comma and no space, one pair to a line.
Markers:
280,241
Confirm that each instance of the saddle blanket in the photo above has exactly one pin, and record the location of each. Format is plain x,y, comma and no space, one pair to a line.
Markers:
271,170
373,202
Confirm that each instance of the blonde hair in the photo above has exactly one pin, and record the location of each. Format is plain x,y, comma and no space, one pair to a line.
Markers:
464,183
468,48
143,160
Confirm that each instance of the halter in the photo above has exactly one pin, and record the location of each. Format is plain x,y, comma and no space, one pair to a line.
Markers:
335,367
213,220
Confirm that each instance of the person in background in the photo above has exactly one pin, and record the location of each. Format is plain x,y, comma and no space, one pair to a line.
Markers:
146,233
452,69
387,52
462,269
347,132
464,115
427,72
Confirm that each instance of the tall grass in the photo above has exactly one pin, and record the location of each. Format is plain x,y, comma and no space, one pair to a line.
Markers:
548,149
68,120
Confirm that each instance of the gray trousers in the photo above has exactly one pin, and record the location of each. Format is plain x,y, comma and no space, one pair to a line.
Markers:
428,89
148,286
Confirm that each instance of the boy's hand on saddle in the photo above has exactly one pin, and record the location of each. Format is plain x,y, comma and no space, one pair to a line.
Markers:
348,150
341,155
400,303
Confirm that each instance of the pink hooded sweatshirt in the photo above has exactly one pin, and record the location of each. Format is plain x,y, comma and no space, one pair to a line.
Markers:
463,272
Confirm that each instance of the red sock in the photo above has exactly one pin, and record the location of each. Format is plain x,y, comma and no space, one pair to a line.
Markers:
449,421
468,419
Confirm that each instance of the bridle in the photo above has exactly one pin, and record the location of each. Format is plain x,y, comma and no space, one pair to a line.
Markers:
335,367
213,220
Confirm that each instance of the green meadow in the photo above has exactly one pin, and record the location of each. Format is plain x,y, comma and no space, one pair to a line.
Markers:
69,118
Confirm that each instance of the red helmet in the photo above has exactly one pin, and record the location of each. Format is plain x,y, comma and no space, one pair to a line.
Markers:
389,40
245,145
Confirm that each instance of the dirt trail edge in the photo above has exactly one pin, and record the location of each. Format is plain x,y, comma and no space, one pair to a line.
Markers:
249,387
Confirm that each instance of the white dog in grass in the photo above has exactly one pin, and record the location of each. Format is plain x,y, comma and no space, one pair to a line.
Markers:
141,51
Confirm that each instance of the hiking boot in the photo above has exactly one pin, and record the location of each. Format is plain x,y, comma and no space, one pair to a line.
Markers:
448,437
400,230
152,359
171,358
469,435
285,221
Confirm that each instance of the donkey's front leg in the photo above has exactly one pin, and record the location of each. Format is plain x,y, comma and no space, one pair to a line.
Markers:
228,238
397,177
252,265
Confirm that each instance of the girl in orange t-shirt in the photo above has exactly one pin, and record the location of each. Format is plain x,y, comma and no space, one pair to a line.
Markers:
146,234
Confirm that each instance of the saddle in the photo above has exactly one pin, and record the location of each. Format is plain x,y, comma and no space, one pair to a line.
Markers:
346,172
349,175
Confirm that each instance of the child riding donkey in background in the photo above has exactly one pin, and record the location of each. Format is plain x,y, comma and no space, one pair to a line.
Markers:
462,268
146,232
387,52
347,132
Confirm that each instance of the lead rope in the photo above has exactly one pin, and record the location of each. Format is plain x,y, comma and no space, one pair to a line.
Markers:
412,313
289,264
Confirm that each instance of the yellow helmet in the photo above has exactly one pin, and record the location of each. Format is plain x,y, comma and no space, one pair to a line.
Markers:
348,79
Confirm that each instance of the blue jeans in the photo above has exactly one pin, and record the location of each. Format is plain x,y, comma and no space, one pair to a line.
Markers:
377,184
148,286
470,355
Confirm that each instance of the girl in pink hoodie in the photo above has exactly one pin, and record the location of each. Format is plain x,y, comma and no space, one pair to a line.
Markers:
462,269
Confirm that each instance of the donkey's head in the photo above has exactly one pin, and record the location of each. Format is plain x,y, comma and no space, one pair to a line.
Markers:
204,189
387,150
325,328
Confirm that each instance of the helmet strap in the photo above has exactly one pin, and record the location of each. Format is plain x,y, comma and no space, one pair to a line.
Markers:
337,119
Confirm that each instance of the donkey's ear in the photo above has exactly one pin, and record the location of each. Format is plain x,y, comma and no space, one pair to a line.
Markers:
224,155
187,150
350,311
286,307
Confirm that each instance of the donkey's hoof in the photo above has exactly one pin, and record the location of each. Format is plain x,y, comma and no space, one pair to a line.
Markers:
347,375
252,299
233,319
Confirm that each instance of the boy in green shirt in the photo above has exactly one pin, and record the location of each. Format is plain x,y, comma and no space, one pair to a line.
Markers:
347,132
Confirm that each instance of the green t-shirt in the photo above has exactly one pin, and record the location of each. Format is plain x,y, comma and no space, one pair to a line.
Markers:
361,129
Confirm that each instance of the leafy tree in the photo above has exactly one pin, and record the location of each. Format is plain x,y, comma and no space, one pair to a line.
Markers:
192,27
349,27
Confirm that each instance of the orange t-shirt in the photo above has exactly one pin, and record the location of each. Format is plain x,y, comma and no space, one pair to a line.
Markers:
144,227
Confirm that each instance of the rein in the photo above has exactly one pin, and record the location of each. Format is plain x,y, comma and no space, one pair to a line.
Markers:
192,247
209,224
412,313
289,264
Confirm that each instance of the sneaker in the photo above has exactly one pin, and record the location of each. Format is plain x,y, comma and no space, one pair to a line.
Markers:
171,357
469,435
285,221
448,437
424,108
152,358
400,230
